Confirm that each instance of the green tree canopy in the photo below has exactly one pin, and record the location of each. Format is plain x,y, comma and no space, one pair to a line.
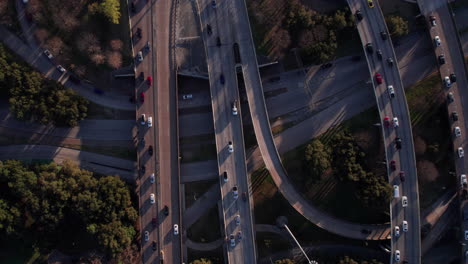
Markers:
397,26
285,261
317,158
202,261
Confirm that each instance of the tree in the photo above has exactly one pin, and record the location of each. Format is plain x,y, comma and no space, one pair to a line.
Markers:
317,157
9,217
111,10
284,261
397,26
114,59
202,261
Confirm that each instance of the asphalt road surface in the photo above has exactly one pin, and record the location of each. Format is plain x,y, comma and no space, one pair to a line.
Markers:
228,128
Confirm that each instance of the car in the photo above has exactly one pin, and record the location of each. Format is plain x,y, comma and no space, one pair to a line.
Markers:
378,78
239,235
441,59
232,240
461,152
142,97
450,97
149,80
369,48
395,122
143,119
454,116
383,35
187,96
466,235
221,79
393,165
453,77
48,54
132,7
402,176
213,4
390,61
432,19
398,142
154,221
152,198
150,121
150,150
396,231
466,255
152,178
397,255
447,82
463,181
140,56
437,41
234,108
230,147
379,54
391,91
209,30
176,229
244,197
370,3
405,226
225,176
25,1
166,210
146,235
404,201
396,191
143,169
154,246
457,131
218,42
61,69
386,121
237,219
138,33
358,15
235,192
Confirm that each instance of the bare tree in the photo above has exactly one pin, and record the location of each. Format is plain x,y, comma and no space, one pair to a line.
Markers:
114,59
54,45
98,58
116,44
41,35
88,43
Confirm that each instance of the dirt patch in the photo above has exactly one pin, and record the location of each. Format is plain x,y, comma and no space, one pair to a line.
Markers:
427,171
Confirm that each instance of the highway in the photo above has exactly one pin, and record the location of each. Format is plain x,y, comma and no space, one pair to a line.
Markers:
228,128
408,243
454,63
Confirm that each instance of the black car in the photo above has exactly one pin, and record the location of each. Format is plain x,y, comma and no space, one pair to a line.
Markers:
402,176
454,116
166,210
154,246
390,61
221,79
143,169
218,42
142,75
383,34
150,150
441,59
132,6
398,143
208,29
138,33
359,15
369,48
453,77
379,54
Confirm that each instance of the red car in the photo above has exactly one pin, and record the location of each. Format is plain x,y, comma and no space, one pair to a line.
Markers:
386,121
149,80
402,176
378,78
142,97
393,165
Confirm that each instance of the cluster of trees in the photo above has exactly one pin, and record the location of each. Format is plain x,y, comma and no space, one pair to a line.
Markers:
348,260
317,34
53,205
33,97
397,26
349,164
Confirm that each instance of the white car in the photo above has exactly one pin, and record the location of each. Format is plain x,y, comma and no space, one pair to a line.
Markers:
397,231
25,1
152,178
397,255
463,181
457,131
461,153
395,122
150,121
187,96
146,235
176,229
225,176
61,69
237,219
140,56
234,108
143,119
447,81
437,41
48,54
404,201
235,192
391,91
152,198
230,147
405,226
232,239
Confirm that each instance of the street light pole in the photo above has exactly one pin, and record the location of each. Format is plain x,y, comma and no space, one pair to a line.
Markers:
297,242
